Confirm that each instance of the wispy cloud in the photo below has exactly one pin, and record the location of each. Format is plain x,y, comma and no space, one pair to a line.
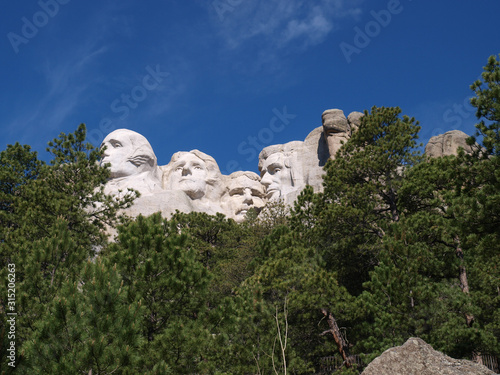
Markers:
64,87
282,22
314,28
66,77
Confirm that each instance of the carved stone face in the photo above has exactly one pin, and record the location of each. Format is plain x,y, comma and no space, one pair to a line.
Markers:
128,152
189,174
276,176
243,194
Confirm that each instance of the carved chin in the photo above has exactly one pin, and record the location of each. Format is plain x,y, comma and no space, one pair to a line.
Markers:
239,218
242,212
118,173
273,194
122,169
193,189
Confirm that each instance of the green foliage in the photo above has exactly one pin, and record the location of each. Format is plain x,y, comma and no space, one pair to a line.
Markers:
53,220
90,325
451,226
411,289
165,275
361,195
292,275
487,103
225,248
18,166
396,245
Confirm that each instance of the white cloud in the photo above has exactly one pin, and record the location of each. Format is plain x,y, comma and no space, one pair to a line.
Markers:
314,28
282,22
65,85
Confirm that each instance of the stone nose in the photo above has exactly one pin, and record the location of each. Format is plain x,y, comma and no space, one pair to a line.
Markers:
266,179
106,152
186,171
247,197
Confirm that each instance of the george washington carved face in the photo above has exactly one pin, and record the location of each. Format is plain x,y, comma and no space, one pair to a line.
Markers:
128,153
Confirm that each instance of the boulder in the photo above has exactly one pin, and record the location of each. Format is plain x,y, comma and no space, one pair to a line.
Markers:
354,120
416,357
336,129
447,144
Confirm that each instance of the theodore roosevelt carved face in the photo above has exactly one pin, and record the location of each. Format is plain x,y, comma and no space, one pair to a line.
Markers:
244,191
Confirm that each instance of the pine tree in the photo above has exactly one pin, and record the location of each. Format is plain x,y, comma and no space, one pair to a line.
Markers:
361,195
54,216
161,270
91,327
296,289
18,167
227,249
452,203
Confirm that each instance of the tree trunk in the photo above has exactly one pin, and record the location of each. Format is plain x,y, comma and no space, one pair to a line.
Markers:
339,339
464,283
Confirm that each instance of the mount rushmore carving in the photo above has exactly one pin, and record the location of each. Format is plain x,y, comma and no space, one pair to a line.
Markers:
192,181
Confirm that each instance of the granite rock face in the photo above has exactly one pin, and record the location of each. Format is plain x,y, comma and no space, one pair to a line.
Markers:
281,170
354,120
132,163
244,191
198,176
286,169
416,357
447,144
192,180
336,129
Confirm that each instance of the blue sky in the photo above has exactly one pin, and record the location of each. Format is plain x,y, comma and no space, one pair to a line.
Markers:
229,77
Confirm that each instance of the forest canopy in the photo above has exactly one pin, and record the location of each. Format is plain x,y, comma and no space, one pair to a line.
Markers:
397,245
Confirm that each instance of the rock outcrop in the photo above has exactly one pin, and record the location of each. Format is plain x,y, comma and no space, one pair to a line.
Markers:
416,357
447,144
286,169
192,180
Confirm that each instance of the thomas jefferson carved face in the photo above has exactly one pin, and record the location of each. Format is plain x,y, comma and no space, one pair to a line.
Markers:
189,174
244,192
128,152
276,176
